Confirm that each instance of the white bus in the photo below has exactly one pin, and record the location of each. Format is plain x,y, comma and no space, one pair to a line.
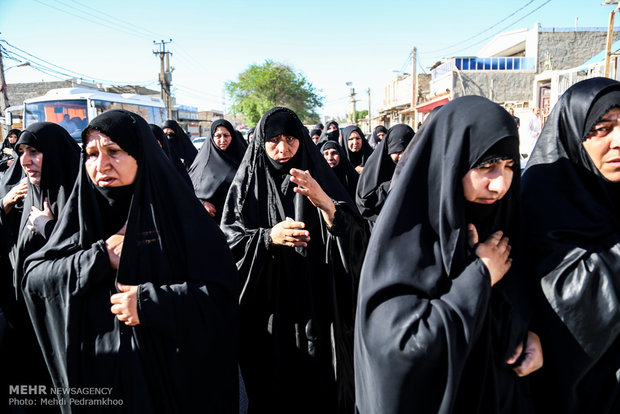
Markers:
73,108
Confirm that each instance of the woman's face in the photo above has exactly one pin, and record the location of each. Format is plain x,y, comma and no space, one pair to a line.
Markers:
107,164
603,145
281,148
222,138
331,127
168,131
315,138
354,142
31,160
395,156
12,139
380,135
332,157
489,183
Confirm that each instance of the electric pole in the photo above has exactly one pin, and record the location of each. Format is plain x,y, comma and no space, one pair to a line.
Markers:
4,98
165,75
369,118
353,114
414,89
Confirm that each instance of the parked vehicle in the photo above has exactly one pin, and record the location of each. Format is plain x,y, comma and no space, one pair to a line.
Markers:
198,141
73,108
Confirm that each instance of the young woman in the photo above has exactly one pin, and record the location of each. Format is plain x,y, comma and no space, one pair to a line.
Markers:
215,166
136,289
571,198
298,242
441,325
340,165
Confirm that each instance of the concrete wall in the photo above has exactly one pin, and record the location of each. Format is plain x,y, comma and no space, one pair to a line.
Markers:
569,49
498,86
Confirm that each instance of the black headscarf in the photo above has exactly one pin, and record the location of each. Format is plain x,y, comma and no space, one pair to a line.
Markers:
431,334
374,182
250,132
360,157
374,138
170,152
182,355
329,136
59,170
314,132
572,234
181,143
344,170
296,304
213,169
6,144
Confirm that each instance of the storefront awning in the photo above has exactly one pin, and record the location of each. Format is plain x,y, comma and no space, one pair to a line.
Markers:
429,106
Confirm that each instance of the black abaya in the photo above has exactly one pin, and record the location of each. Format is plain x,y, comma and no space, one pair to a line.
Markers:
360,157
374,182
181,143
431,334
182,355
213,169
344,170
297,304
573,241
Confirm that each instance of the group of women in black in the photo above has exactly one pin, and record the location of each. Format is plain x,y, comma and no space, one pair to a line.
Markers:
426,275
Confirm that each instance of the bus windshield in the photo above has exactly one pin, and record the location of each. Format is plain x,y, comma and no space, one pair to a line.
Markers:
70,114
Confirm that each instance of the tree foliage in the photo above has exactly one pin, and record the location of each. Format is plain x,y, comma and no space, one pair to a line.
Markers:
261,87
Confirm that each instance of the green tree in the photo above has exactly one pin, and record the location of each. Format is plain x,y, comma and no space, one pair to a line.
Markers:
361,114
261,87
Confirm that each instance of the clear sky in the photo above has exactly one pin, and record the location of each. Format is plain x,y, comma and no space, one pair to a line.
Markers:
330,42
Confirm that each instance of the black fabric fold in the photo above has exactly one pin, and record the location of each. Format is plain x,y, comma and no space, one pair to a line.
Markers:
573,240
181,143
213,169
431,333
182,355
297,304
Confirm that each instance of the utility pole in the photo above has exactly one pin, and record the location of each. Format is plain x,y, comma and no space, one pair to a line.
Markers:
369,117
414,85
4,98
354,114
165,75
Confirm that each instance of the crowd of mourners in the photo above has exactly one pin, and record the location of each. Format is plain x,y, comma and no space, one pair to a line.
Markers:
316,271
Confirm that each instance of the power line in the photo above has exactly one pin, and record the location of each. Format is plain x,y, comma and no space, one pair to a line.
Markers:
494,34
484,31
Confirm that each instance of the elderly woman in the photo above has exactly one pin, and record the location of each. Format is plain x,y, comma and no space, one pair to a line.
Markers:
571,199
357,148
135,289
215,166
298,242
441,323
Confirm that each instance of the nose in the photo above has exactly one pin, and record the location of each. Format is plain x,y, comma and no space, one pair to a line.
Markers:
102,162
499,184
615,137
25,159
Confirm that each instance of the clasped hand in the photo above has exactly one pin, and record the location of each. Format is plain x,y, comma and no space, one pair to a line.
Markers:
494,252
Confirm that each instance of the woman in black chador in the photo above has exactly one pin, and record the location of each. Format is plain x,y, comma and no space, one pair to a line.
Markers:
165,145
441,324
8,155
50,159
215,166
298,242
571,200
377,136
374,182
341,166
357,148
136,289
179,141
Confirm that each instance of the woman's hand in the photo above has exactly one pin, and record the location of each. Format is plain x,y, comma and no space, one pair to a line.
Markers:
125,304
494,252
288,233
14,196
533,356
39,218
210,208
359,169
306,185
114,244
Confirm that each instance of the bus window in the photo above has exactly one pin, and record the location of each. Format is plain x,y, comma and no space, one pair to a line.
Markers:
71,114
